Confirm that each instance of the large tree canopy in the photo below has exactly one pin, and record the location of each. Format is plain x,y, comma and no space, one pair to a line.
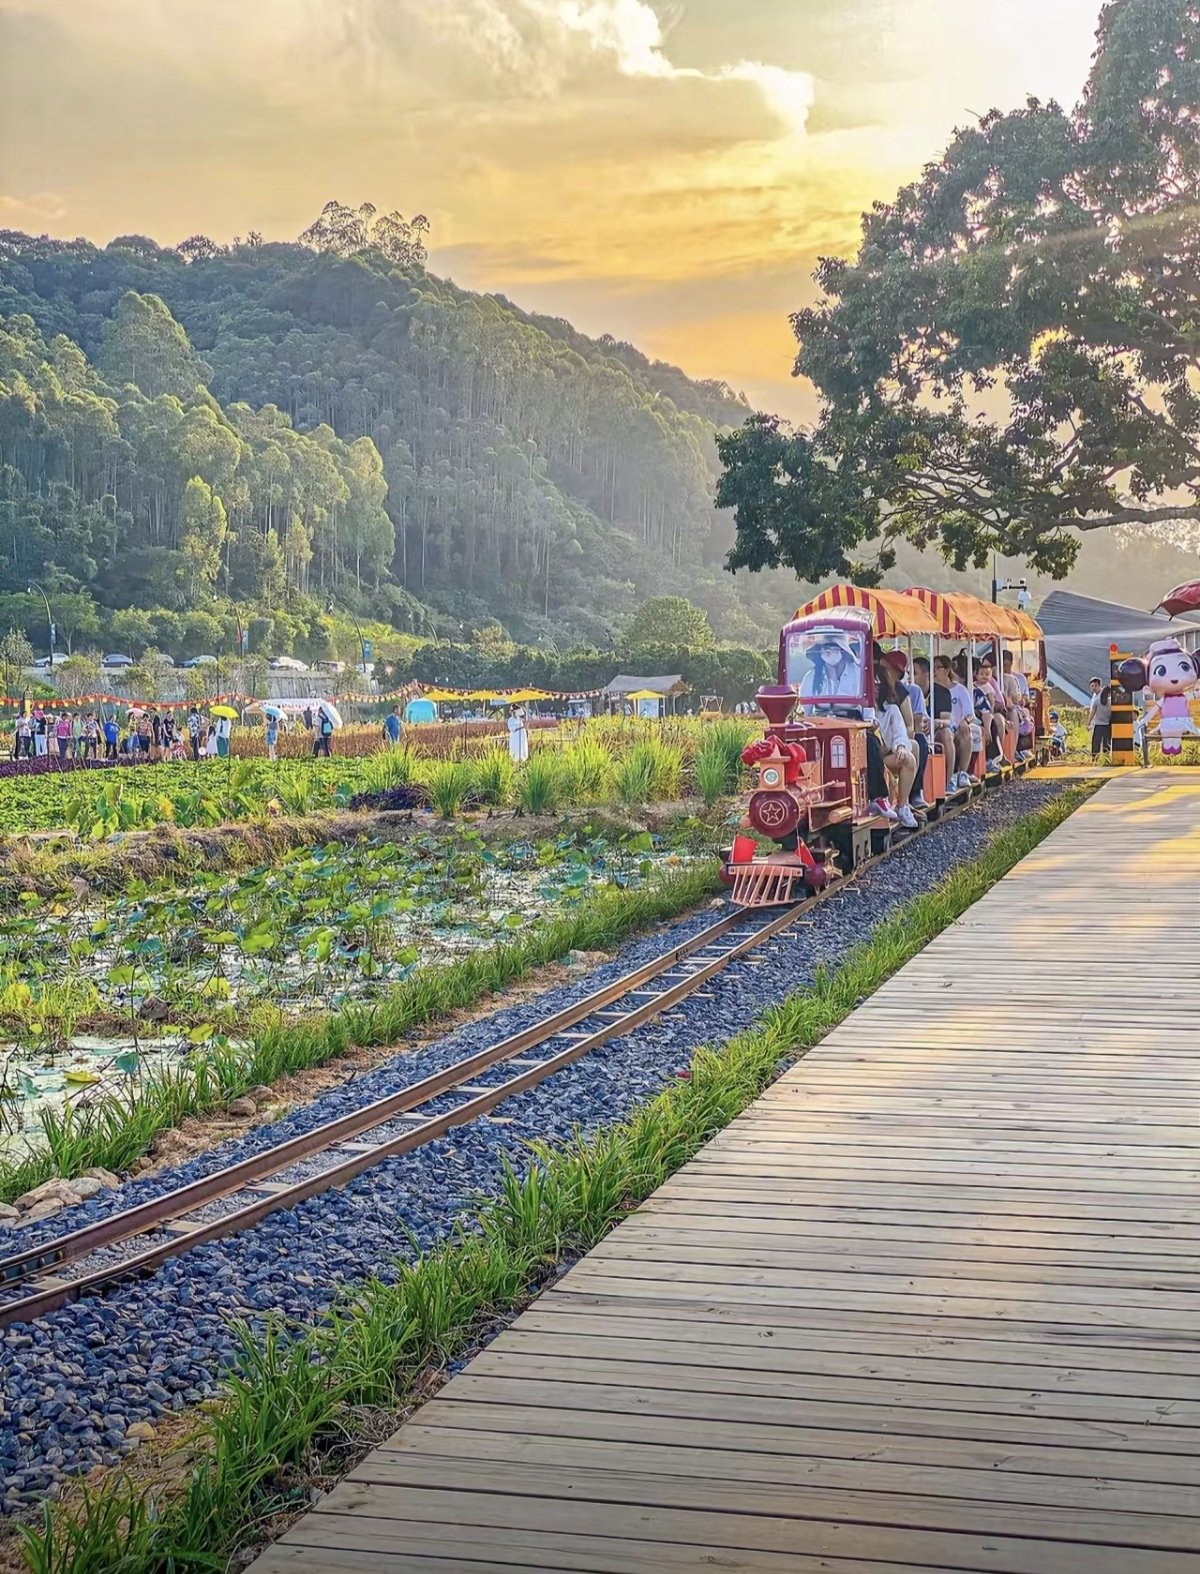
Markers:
1014,354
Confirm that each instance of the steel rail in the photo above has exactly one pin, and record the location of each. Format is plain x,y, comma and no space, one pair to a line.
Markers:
167,1213
221,1183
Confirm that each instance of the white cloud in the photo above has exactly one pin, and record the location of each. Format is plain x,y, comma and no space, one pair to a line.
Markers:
36,209
631,32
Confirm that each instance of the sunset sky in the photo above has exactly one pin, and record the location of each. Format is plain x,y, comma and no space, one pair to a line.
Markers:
667,172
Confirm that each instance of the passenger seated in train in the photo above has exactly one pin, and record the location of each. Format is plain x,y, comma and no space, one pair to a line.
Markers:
990,708
959,716
984,700
1017,701
938,710
916,718
900,754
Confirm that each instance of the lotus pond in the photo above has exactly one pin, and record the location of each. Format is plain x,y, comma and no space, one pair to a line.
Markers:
96,996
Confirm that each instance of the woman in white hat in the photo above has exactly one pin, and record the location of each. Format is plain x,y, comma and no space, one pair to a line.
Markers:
835,667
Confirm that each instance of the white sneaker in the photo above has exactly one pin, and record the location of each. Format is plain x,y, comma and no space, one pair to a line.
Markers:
959,781
918,802
883,808
906,817
994,765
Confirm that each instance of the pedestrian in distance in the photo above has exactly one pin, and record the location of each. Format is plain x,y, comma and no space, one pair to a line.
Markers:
224,731
62,735
518,735
272,735
194,729
1100,717
41,731
393,727
111,735
324,734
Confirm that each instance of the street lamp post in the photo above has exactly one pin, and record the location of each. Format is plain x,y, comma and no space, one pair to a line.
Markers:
357,629
35,588
1019,585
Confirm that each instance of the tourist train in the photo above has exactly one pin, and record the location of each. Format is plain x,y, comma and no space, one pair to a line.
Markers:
820,766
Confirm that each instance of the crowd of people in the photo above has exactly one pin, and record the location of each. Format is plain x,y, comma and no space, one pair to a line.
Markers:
967,709
142,733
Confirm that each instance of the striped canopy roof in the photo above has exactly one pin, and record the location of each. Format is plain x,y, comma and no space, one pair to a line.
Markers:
894,613
962,616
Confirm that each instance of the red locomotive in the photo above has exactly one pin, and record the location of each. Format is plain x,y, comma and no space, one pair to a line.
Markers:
811,795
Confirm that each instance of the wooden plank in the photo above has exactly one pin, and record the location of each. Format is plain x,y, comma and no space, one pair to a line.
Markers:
711,1352
1050,1331
746,1249
1174,1423
352,1539
1097,1368
724,1400
711,1285
670,1419
1061,1238
1164,1509
666,1259
795,1509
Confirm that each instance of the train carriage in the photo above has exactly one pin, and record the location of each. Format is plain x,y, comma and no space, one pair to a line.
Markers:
813,764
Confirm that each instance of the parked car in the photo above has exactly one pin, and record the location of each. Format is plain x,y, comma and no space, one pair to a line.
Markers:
286,664
199,661
56,660
115,659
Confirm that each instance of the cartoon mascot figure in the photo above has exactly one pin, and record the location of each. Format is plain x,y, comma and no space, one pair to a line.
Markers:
1170,673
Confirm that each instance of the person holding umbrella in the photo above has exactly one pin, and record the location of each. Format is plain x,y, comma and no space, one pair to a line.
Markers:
226,716
327,718
273,717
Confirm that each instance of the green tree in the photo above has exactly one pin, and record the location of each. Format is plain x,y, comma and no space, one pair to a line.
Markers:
670,623
203,523
16,653
144,345
76,676
144,680
1014,355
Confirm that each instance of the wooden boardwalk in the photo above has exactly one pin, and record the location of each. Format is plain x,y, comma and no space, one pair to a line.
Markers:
930,1304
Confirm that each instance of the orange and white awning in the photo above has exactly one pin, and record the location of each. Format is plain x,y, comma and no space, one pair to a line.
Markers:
894,613
958,615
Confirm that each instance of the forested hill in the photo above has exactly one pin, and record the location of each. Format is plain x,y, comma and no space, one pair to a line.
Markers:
361,430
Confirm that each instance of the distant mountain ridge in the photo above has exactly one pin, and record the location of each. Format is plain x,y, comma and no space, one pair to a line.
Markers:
531,473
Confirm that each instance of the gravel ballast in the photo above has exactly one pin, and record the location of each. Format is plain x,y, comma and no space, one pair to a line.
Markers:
74,1383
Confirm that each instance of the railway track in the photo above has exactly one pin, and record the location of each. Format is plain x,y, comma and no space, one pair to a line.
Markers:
257,1186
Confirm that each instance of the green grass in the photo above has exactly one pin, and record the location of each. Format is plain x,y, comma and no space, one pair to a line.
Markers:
541,784
298,1410
114,1130
448,782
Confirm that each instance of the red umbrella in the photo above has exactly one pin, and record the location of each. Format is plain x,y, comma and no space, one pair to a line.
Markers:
1184,598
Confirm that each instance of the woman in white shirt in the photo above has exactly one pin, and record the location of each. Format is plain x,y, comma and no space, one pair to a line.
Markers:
518,735
900,755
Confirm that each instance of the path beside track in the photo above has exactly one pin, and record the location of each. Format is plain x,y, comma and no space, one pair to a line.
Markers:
930,1304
